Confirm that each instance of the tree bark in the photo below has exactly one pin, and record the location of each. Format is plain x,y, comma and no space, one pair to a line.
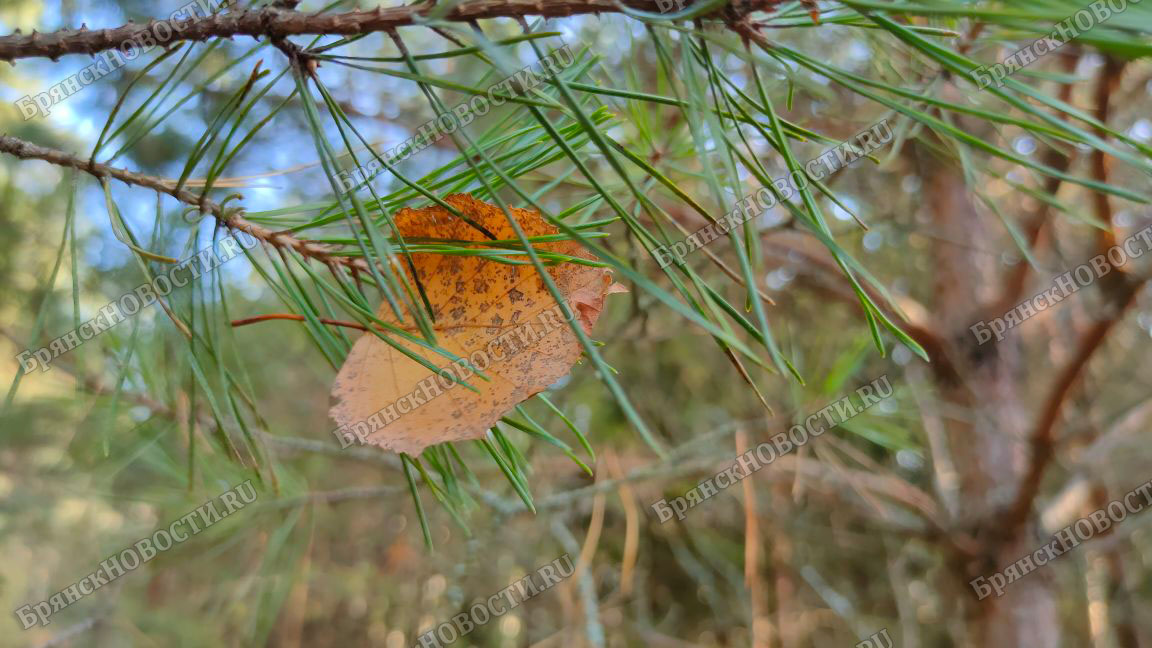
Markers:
986,446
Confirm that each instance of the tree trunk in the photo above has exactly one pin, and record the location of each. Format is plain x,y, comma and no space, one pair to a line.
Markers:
987,445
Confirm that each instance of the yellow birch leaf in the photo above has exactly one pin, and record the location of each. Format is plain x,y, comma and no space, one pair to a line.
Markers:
499,316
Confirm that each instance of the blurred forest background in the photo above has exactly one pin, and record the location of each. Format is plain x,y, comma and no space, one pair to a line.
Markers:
982,197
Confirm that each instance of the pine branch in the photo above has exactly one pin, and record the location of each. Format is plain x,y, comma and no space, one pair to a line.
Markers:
230,218
1041,441
1120,290
278,23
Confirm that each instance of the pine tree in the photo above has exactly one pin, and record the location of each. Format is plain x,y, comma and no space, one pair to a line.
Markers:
736,164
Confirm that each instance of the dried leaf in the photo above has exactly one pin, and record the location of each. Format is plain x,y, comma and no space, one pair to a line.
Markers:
499,316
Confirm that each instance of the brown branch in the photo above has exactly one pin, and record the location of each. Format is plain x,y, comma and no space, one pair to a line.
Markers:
1119,289
295,318
230,218
1040,443
1106,84
292,317
278,23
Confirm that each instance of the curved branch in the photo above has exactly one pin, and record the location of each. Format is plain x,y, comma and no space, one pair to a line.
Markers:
1120,290
280,23
1040,443
229,218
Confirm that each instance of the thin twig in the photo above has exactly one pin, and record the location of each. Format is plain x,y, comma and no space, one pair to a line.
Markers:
230,218
297,318
593,630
